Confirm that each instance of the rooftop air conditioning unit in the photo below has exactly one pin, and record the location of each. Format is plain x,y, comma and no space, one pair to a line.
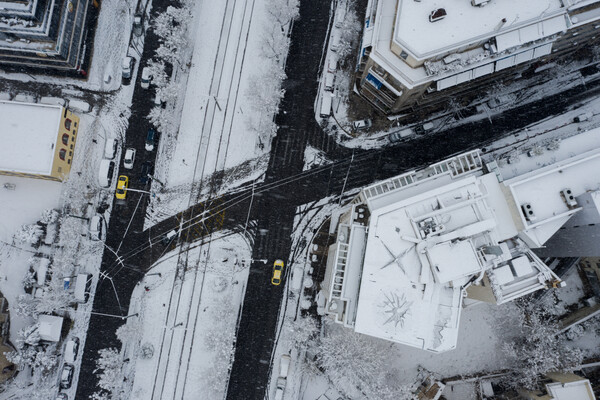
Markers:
437,14
479,3
569,198
528,212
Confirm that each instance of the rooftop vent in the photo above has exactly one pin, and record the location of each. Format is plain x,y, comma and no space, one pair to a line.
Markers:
437,14
479,3
528,212
569,198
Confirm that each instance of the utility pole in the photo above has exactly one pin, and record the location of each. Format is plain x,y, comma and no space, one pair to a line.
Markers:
249,208
346,178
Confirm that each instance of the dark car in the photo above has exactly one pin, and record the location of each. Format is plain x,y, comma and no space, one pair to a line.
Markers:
150,139
66,377
147,169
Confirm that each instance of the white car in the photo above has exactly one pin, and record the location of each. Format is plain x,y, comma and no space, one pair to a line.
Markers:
129,158
362,124
110,149
96,227
146,78
71,350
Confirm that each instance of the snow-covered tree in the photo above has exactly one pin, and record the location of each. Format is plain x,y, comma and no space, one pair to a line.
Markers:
108,369
52,298
302,331
29,233
49,216
36,357
348,357
283,12
24,306
129,332
538,349
171,28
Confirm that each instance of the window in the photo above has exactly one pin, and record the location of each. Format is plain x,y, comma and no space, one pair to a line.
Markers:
404,55
68,124
62,153
65,138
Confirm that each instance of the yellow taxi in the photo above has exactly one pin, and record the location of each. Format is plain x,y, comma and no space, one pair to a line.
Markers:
277,272
122,184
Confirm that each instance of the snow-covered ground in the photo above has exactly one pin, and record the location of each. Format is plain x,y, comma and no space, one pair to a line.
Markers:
189,323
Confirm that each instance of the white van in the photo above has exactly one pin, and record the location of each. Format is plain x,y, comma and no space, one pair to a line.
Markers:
284,365
326,105
110,149
105,173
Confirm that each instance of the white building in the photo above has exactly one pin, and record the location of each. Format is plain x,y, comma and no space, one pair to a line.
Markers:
410,248
410,60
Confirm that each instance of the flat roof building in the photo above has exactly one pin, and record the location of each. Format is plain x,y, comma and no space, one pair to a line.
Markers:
414,55
39,140
410,248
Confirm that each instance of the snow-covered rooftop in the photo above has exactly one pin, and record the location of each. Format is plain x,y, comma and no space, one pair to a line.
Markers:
29,133
463,23
50,327
581,390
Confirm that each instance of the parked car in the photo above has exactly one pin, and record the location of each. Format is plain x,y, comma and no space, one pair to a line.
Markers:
146,78
400,135
277,272
129,158
362,124
138,25
280,388
122,185
127,69
150,139
105,173
62,396
96,227
583,117
71,350
110,148
147,169
66,377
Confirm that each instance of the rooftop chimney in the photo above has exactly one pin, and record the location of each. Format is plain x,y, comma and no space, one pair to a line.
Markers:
501,24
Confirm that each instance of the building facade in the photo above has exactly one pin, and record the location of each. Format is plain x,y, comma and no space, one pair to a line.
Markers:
39,140
415,56
46,34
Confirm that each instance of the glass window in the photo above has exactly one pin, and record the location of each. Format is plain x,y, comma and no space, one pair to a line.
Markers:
62,153
65,138
68,124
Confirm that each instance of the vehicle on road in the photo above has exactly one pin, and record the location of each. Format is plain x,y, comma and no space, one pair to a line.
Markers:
62,396
400,135
362,124
127,70
129,158
110,148
146,78
96,227
122,185
146,173
277,272
284,365
71,350
66,377
105,173
169,237
150,139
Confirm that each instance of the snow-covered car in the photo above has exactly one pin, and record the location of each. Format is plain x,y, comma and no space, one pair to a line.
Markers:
62,396
138,25
66,377
169,237
127,69
146,78
122,185
96,227
71,350
362,124
150,139
129,158
280,388
277,272
583,117
400,135
110,148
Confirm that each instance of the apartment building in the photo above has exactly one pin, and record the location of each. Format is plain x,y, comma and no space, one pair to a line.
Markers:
38,140
416,55
46,34
409,249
